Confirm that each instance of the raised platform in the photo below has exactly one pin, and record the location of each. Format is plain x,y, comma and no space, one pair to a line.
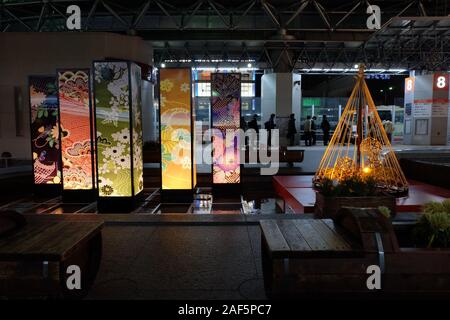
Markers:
299,196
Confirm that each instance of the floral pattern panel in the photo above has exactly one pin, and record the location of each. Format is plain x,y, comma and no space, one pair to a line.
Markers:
138,162
112,118
225,117
194,139
44,129
76,129
175,126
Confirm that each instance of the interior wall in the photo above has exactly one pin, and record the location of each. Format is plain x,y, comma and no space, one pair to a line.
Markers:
24,54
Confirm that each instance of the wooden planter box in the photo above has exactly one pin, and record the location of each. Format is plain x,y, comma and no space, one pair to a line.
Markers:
328,207
320,256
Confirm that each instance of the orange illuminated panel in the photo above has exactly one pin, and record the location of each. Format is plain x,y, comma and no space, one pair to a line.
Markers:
176,129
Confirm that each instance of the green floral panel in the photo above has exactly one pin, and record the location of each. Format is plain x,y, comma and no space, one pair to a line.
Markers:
138,164
112,110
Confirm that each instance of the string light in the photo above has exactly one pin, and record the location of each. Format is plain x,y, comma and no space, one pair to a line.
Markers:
360,146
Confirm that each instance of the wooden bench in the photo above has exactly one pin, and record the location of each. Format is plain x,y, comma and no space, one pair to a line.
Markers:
35,258
287,242
311,256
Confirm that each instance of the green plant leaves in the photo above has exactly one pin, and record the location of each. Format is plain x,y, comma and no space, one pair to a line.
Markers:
433,227
354,186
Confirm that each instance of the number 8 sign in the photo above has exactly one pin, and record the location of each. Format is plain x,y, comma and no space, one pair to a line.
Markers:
440,81
409,84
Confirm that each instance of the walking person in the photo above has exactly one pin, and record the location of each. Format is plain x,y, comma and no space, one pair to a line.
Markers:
389,128
307,131
313,130
291,131
269,126
244,128
325,126
243,124
253,124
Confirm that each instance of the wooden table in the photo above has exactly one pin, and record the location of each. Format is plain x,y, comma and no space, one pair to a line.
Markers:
34,260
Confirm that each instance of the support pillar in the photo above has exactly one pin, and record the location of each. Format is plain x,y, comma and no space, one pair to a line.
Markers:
427,109
281,94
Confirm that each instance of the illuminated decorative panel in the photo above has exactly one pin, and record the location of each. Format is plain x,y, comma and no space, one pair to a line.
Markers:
176,129
138,163
44,130
225,118
194,163
117,116
76,130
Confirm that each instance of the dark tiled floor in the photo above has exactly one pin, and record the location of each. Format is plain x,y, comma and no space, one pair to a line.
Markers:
180,262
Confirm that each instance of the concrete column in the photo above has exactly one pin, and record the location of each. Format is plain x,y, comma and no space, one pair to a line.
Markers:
281,94
148,113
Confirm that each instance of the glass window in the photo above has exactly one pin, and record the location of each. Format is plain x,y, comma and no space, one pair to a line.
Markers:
247,89
203,89
202,105
316,106
250,104
203,75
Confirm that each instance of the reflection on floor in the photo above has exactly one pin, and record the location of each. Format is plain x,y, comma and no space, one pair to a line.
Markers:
203,203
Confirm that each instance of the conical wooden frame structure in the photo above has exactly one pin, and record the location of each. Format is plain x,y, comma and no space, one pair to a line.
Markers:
360,146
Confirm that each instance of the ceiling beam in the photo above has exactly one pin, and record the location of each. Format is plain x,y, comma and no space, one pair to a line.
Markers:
324,35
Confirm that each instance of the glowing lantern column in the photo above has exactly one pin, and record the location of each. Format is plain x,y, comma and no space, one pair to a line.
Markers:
77,143
44,133
117,100
225,121
176,133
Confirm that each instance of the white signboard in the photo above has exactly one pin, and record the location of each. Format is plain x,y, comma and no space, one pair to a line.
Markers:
440,110
422,110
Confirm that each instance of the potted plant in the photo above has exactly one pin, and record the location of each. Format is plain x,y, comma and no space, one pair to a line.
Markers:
432,230
416,253
352,191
